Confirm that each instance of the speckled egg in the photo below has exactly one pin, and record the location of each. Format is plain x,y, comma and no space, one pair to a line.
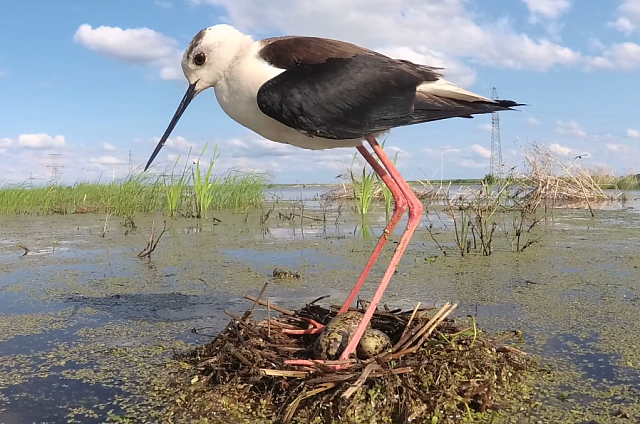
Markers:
372,343
336,335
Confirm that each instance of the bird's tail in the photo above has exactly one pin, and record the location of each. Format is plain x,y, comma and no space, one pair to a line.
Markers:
441,99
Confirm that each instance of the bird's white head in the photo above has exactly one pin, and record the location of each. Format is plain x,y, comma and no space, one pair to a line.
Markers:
211,52
209,55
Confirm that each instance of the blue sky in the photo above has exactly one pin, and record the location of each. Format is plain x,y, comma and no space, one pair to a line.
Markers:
95,80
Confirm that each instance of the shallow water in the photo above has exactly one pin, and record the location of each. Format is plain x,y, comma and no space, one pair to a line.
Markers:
85,325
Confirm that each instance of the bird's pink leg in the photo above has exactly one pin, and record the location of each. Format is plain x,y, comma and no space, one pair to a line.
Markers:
415,215
398,211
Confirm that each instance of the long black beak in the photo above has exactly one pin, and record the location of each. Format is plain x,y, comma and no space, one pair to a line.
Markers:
188,96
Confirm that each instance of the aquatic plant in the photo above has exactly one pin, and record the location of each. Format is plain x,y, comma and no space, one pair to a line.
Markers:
168,192
204,186
174,187
363,188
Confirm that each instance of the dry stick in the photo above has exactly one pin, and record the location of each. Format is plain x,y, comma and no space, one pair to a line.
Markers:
294,405
268,317
274,307
404,333
307,217
319,299
241,357
237,330
510,349
402,370
151,246
360,381
431,325
250,311
284,373
412,337
25,248
106,221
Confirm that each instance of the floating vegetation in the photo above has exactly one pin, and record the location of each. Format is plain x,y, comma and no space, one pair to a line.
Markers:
437,371
283,274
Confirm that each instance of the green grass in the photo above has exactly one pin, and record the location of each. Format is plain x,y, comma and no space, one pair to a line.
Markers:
173,194
625,182
363,188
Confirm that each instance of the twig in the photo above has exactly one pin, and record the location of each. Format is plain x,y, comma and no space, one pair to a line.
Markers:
250,311
274,307
284,373
269,317
240,356
25,248
360,381
237,330
294,405
151,245
404,333
106,221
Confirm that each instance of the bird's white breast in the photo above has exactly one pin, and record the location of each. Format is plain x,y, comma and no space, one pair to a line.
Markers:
237,93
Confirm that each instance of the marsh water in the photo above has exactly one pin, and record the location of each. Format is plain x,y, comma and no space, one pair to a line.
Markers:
86,327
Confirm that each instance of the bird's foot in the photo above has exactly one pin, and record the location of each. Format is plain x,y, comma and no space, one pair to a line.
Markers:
316,329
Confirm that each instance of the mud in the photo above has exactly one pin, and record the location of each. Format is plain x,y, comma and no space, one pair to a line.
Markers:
88,330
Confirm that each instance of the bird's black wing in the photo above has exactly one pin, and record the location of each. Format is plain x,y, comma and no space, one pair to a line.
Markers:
338,90
342,98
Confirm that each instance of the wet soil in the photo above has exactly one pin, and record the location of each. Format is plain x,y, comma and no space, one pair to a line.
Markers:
88,331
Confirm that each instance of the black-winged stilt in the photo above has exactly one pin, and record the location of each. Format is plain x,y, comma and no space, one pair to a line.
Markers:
318,93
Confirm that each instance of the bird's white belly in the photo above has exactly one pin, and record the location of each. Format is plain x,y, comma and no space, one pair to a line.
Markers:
237,97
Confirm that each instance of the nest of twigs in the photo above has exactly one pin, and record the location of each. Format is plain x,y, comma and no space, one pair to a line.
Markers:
436,368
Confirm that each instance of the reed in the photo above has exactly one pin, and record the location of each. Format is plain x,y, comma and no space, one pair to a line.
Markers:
204,186
170,193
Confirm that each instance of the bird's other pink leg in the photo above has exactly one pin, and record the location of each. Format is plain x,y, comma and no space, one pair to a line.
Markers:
398,211
316,330
415,215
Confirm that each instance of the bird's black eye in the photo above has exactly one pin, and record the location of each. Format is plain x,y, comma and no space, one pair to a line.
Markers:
199,59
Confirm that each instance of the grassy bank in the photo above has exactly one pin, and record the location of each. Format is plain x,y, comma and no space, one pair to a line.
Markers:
190,192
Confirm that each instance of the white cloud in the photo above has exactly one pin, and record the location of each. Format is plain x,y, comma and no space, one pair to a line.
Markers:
626,152
470,163
550,9
163,4
454,70
532,121
571,128
140,46
107,160
628,17
40,141
108,147
631,133
6,142
559,150
181,145
445,26
624,56
485,127
447,150
482,151
623,25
